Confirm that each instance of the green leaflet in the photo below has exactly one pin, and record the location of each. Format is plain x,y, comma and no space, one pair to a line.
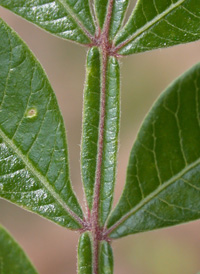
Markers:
33,153
101,10
65,18
105,258
90,130
91,117
159,24
111,131
85,254
163,177
118,11
12,257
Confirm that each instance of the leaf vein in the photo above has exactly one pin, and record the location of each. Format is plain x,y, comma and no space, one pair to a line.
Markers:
153,194
191,13
179,126
182,30
177,206
160,218
152,22
43,180
190,184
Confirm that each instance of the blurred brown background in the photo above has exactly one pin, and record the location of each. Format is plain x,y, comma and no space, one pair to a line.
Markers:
53,249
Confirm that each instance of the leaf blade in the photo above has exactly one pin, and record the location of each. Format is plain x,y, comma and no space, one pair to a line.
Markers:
90,132
12,257
101,10
66,19
110,139
91,124
105,258
118,12
34,163
162,187
85,254
81,10
158,24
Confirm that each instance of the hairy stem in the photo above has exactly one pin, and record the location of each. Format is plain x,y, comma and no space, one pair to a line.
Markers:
96,230
95,211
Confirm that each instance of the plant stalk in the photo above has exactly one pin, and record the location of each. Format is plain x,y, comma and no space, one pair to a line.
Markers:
105,49
95,211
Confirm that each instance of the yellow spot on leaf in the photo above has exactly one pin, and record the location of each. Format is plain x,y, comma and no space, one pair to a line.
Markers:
32,112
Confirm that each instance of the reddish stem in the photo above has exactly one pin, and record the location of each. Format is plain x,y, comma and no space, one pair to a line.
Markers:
105,48
95,210
99,233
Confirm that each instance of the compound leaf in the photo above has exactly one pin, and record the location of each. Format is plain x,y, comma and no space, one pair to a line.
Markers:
159,24
12,257
163,176
33,153
67,19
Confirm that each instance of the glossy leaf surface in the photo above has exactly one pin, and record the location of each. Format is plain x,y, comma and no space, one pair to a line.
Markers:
91,112
101,10
159,24
85,254
111,131
91,117
163,176
33,153
12,257
64,18
105,258
118,11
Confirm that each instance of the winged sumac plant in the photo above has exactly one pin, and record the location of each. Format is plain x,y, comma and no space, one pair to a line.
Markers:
163,176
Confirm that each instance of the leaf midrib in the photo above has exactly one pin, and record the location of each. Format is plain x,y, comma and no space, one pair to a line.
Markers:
149,24
39,176
74,16
153,195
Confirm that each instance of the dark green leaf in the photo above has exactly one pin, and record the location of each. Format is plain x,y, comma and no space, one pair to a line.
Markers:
163,177
91,117
111,130
101,10
65,18
33,153
159,24
105,259
91,122
118,11
85,254
12,258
